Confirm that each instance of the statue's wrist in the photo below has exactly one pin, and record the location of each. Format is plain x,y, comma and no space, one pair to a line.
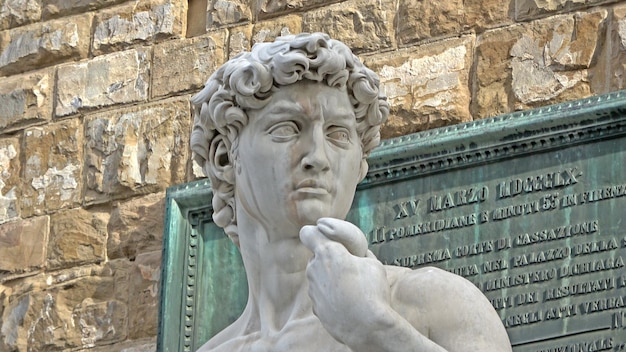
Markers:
372,331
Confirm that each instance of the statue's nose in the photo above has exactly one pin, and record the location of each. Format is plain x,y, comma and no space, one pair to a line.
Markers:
315,156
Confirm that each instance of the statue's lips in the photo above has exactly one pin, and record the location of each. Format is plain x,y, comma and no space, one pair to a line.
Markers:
312,186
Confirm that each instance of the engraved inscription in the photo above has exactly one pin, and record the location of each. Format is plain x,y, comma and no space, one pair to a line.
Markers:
603,344
459,198
547,249
561,178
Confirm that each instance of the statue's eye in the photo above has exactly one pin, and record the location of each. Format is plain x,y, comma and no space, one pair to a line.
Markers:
284,130
339,134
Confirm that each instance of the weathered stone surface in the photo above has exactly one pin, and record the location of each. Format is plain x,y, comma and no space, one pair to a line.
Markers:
141,345
53,167
617,66
362,25
197,13
23,245
103,81
9,178
239,40
427,86
136,226
14,13
418,20
540,63
26,99
143,304
77,237
528,9
43,44
75,308
59,8
138,22
269,8
136,151
196,172
267,31
196,59
479,15
101,323
225,12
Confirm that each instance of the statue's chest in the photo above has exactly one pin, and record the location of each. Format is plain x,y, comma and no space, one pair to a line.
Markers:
302,338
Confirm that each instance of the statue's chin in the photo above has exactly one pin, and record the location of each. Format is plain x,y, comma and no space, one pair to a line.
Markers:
310,210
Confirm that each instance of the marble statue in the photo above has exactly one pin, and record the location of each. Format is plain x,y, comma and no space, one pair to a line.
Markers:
283,132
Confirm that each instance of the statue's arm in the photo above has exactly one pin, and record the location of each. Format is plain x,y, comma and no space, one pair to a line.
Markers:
390,332
456,315
371,307
351,295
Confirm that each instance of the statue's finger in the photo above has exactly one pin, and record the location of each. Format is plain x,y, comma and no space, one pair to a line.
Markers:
345,233
312,238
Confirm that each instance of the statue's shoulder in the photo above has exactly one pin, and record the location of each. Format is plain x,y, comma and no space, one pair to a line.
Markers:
429,288
447,308
426,278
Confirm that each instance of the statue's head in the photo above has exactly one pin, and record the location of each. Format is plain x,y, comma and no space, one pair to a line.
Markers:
291,67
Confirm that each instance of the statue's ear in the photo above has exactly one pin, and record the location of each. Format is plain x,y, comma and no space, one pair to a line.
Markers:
220,159
364,169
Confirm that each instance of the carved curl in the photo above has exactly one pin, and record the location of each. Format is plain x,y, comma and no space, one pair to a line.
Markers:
247,81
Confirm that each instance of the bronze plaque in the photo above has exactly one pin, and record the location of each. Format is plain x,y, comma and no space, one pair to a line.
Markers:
530,207
533,215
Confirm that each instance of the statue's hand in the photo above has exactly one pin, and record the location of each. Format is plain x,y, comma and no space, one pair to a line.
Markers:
347,284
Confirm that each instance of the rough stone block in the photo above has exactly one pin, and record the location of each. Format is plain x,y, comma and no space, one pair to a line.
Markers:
9,179
362,25
270,8
106,80
141,345
479,15
138,22
23,245
52,173
77,237
617,68
26,99
43,44
427,85
136,226
14,13
60,8
101,323
67,310
143,305
196,59
226,12
239,40
418,21
529,9
268,31
136,151
540,63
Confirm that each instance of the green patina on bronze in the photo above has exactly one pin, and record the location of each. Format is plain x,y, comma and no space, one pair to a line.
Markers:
530,206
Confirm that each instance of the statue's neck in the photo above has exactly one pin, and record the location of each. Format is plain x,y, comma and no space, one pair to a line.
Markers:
275,267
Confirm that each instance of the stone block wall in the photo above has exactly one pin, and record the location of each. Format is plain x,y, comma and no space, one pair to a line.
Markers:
95,121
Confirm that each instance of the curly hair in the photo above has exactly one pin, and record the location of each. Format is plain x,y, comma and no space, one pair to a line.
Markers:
247,81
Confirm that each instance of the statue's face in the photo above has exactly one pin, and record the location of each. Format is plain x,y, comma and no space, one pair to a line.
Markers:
299,158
